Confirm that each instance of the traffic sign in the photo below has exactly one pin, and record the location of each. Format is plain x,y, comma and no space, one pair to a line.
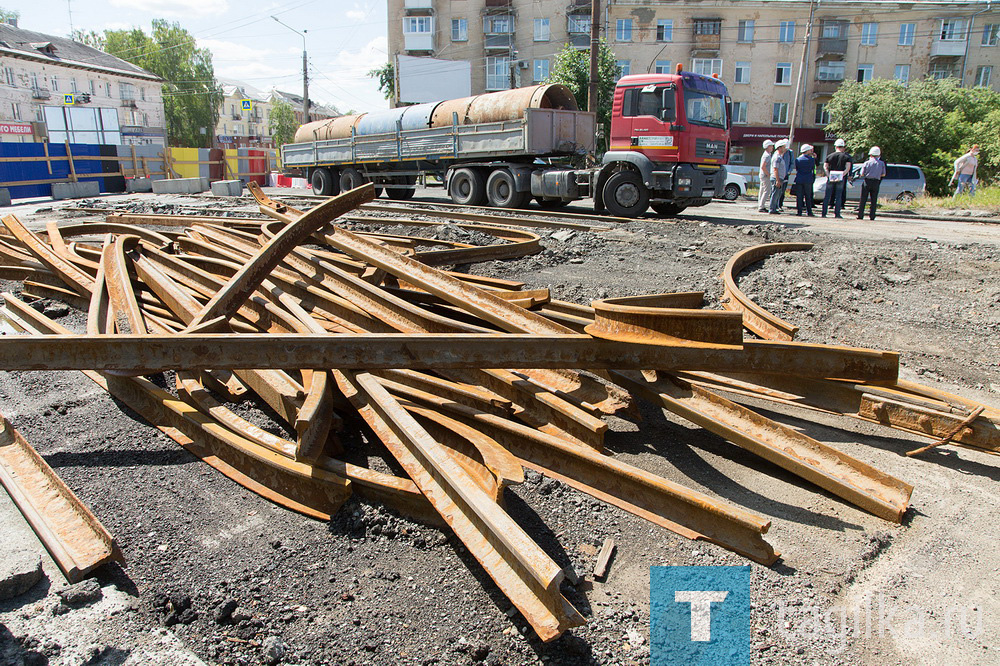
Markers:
69,98
248,105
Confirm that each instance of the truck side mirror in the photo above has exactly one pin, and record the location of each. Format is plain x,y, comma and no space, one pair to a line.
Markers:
729,112
668,113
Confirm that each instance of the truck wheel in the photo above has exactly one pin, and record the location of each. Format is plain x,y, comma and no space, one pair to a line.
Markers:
501,193
401,193
467,187
350,178
667,209
323,183
625,195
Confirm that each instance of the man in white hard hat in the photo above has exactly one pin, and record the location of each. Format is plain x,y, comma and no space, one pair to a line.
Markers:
764,193
838,169
779,174
871,174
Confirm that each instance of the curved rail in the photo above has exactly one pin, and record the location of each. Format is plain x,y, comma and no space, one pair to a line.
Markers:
755,318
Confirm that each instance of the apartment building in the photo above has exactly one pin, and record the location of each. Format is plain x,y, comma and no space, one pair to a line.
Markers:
245,116
55,89
757,47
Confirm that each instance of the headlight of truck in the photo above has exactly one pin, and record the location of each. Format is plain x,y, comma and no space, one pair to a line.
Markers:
683,181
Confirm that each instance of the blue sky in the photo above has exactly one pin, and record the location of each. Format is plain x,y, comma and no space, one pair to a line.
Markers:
345,38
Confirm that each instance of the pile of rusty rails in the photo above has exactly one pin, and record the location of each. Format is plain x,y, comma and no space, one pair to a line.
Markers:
466,380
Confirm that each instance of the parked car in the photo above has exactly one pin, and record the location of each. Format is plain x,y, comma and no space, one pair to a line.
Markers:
735,186
902,182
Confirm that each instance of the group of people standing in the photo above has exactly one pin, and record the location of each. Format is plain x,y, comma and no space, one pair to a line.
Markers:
776,163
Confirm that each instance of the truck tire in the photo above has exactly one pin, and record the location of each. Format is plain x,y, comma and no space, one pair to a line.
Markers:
467,187
323,182
625,195
401,193
501,192
351,178
667,209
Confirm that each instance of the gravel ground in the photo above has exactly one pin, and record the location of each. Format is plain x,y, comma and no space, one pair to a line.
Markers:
240,581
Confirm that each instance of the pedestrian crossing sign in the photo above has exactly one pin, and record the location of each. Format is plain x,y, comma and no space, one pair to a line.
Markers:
247,105
69,99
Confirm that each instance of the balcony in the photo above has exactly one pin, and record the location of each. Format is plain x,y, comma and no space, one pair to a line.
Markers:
832,45
129,103
40,93
499,41
418,6
826,86
418,41
706,43
236,116
580,40
949,47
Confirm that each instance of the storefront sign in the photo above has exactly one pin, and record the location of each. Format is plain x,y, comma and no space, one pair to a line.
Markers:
16,128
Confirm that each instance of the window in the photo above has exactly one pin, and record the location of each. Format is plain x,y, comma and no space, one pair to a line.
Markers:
664,30
540,71
906,32
579,23
779,113
865,73
952,30
742,72
647,101
625,66
822,114
786,32
902,74
39,116
740,112
93,90
107,88
991,34
869,34
707,66
542,32
72,85
736,154
498,25
940,72
55,83
707,26
126,90
623,30
497,73
745,32
663,67
783,74
830,70
15,110
833,30
142,94
983,75
417,24
459,30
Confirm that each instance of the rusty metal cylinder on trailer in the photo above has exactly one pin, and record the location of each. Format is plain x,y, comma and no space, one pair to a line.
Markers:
488,108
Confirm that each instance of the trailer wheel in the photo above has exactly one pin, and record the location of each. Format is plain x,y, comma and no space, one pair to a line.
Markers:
467,187
625,195
401,193
667,209
501,190
323,182
350,178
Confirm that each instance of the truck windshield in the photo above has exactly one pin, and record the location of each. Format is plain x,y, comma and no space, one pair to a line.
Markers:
704,109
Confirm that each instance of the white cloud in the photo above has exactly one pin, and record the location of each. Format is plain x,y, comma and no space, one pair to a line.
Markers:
259,67
182,8
344,80
355,14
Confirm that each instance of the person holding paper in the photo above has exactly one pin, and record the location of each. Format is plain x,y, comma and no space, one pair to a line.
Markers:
837,168
871,174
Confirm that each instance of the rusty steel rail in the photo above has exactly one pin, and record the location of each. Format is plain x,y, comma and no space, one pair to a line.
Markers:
66,527
755,318
664,319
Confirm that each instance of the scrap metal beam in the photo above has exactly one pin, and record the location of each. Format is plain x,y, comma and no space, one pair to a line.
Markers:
755,318
156,353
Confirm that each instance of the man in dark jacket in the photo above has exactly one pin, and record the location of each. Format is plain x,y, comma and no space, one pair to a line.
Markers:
838,169
805,175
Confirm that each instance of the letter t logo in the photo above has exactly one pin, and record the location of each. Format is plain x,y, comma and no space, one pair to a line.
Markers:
701,610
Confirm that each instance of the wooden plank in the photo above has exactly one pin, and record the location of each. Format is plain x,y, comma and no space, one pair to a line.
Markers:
72,167
604,558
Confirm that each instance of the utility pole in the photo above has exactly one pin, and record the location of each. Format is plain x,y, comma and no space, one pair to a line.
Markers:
595,45
305,71
802,69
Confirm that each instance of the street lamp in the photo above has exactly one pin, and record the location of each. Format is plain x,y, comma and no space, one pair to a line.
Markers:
305,71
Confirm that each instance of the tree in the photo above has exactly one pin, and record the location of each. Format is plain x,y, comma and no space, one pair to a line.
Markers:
572,69
191,96
8,14
386,75
928,123
282,123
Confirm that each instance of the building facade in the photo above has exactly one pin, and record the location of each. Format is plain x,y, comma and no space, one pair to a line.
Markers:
759,48
56,89
245,116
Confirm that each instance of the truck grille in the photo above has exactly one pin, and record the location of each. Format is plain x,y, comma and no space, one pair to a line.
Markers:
709,149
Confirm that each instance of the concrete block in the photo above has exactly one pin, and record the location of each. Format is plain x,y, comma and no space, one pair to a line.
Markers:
180,186
89,188
20,569
4,196
139,185
227,188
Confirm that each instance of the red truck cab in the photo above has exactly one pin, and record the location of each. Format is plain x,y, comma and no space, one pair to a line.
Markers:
672,132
